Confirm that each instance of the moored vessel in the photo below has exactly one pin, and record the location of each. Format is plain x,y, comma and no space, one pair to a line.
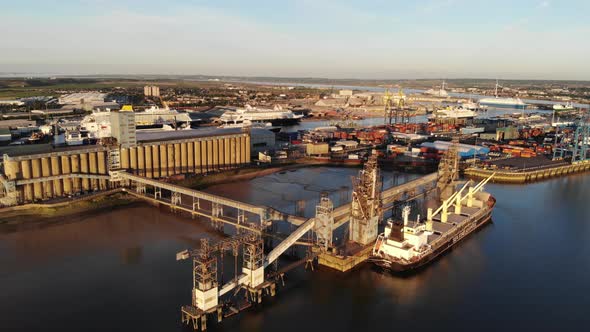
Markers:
276,116
408,245
457,112
250,124
567,107
501,102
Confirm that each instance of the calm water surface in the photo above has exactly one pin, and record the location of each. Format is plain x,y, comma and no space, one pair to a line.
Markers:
115,271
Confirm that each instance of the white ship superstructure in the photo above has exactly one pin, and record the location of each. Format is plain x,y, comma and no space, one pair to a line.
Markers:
405,240
454,112
276,116
438,92
74,138
97,124
567,107
473,106
156,117
250,124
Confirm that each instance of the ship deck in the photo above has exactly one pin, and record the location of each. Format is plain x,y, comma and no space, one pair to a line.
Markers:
453,220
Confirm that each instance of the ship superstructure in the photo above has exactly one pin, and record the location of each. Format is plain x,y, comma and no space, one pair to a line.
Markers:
98,124
438,92
567,107
276,116
155,117
458,112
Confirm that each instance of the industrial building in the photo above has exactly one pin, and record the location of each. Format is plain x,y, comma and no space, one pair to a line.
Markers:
317,149
79,98
68,171
262,140
464,150
123,127
151,90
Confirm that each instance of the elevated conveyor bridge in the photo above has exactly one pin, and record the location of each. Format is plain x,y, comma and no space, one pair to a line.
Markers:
252,277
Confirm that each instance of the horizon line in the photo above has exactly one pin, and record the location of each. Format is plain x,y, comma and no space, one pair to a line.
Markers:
24,75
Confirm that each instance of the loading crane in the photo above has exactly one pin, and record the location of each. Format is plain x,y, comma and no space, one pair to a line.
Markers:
456,200
395,105
206,292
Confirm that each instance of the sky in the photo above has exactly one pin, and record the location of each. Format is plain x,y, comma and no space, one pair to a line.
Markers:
379,39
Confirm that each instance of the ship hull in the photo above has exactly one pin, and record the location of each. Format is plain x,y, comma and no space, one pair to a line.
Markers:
399,267
502,105
283,122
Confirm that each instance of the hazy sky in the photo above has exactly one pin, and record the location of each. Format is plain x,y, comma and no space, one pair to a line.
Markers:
320,38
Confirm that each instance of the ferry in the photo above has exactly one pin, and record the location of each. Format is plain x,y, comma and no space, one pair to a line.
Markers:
407,245
276,116
155,117
457,112
567,107
473,106
250,124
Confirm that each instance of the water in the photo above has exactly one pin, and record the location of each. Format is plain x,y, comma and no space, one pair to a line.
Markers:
376,121
116,270
382,89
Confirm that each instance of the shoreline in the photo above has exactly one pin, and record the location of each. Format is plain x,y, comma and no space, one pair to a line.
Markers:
36,215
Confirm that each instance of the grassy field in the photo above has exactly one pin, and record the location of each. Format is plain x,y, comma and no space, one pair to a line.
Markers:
21,88
12,89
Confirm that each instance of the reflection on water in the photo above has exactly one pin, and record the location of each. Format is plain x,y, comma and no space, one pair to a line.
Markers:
131,256
117,271
286,191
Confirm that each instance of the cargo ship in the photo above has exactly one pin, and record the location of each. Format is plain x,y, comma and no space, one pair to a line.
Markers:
407,245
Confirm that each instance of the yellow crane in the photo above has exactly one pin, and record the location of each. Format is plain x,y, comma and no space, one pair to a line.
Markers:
388,103
164,104
401,101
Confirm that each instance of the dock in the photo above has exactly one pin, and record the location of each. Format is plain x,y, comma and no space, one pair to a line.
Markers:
528,175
